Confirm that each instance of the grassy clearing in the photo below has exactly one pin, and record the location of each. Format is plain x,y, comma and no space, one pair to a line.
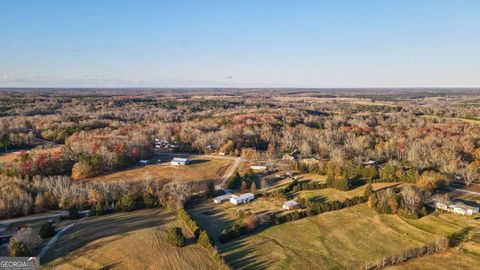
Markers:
215,217
11,156
134,240
201,169
332,194
348,238
466,258
315,177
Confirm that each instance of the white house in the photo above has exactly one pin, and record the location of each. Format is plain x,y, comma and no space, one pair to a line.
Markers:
179,161
458,208
143,162
244,198
289,205
221,153
224,198
258,167
466,210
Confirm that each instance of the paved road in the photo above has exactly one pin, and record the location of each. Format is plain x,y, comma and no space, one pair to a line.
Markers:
27,219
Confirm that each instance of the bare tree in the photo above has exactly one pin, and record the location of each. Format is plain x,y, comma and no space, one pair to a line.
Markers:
178,191
469,175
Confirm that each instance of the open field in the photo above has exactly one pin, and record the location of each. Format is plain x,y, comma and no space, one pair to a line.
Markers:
326,242
201,168
332,194
11,156
315,177
134,240
214,217
468,258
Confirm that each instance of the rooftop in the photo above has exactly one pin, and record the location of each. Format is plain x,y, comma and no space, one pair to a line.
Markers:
290,203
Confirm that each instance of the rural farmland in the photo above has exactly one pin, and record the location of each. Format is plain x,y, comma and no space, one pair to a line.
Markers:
135,240
200,170
324,241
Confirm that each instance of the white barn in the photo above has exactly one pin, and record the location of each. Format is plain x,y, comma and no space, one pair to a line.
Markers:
244,198
223,198
179,161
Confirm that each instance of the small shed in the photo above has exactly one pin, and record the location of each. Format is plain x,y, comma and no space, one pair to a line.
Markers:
289,205
244,198
179,161
143,162
258,167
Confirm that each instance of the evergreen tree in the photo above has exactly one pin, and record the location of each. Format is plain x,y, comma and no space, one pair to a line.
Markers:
175,237
210,190
46,230
368,190
19,249
235,181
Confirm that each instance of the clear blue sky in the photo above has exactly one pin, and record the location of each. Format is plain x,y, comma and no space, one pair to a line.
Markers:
240,43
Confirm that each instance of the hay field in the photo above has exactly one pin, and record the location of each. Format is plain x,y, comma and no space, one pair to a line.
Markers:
345,239
134,240
201,169
332,194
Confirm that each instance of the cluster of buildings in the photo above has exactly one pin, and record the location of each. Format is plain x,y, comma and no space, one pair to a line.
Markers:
248,197
175,162
235,199
164,144
457,208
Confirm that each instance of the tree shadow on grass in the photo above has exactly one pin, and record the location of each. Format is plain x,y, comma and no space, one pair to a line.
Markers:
197,161
241,257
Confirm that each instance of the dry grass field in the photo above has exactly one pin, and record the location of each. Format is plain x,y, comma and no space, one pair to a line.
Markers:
134,240
346,239
332,194
11,156
202,168
315,177
466,258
